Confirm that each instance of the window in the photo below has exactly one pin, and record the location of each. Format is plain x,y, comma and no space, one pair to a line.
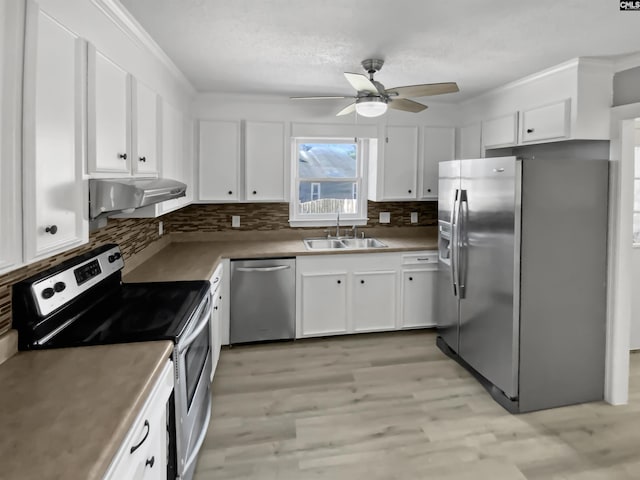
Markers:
636,197
328,177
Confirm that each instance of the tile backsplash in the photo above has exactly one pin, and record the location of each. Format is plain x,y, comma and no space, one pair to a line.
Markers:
275,216
134,235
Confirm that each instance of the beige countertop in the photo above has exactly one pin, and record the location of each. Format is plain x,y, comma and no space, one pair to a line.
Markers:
65,412
195,256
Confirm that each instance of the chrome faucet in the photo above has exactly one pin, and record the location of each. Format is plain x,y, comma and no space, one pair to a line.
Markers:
338,226
354,231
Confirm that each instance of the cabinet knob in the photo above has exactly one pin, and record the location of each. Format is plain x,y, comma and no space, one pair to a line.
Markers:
254,192
361,281
143,159
339,282
429,190
216,307
149,463
409,191
122,156
52,229
410,278
230,192
531,130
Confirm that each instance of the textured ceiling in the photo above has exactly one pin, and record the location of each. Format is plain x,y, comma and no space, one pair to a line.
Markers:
301,47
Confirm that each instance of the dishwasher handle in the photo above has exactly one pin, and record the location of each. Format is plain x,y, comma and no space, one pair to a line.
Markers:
263,269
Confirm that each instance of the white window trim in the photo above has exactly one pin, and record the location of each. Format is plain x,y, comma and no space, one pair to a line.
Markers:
636,179
324,220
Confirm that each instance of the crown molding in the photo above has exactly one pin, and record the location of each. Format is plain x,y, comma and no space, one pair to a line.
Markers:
121,17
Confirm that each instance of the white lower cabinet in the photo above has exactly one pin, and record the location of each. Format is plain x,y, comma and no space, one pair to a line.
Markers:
322,303
143,454
418,288
374,300
216,281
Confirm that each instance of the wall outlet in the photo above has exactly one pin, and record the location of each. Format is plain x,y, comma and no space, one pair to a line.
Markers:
235,221
385,217
414,217
160,228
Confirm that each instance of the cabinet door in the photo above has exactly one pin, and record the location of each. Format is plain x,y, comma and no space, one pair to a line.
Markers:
500,132
324,304
55,199
418,287
374,301
264,162
470,141
546,123
400,163
145,132
108,116
438,146
219,161
11,24
176,154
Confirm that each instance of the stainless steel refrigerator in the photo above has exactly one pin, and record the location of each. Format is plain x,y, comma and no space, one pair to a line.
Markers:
522,276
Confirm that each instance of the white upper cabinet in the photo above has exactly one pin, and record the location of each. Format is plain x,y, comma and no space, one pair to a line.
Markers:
438,145
501,131
400,163
55,200
11,18
219,161
264,162
109,94
548,122
177,138
146,125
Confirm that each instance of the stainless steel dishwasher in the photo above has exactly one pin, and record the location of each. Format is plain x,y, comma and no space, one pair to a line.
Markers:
263,300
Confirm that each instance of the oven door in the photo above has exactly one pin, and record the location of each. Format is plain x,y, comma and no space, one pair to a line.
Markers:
193,395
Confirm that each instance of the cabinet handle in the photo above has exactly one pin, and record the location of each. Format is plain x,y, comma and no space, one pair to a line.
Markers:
254,192
143,159
146,424
531,130
122,156
150,462
53,229
410,279
230,192
339,282
361,281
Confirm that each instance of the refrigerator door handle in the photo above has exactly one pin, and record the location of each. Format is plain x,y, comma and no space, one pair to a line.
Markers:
461,238
454,244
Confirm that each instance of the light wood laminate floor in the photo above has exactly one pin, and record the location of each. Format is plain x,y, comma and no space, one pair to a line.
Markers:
392,406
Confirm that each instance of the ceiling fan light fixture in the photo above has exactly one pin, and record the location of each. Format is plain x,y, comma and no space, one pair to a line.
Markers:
371,106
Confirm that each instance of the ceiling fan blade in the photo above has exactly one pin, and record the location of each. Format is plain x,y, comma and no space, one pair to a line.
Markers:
326,97
347,110
424,90
406,105
361,83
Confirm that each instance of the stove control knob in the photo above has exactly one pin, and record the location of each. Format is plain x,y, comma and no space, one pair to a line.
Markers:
111,258
59,286
47,293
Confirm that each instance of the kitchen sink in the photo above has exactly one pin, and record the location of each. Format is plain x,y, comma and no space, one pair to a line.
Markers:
342,243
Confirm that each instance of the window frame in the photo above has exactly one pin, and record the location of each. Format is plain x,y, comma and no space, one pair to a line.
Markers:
297,219
636,186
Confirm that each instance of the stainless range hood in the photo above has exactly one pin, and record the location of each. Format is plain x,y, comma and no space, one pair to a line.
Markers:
109,196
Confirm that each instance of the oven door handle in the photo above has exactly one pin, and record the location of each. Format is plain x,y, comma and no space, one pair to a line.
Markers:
203,434
182,346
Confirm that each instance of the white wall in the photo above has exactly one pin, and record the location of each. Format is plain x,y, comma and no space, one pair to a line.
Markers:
217,106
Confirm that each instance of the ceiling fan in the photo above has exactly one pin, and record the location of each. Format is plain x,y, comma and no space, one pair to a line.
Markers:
373,99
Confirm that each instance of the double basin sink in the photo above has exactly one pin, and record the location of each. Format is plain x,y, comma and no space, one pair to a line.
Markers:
342,243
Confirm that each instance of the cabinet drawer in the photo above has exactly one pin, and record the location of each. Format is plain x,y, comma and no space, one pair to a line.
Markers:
422,258
546,123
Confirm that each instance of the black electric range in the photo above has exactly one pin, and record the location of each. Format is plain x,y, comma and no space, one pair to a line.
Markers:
84,302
